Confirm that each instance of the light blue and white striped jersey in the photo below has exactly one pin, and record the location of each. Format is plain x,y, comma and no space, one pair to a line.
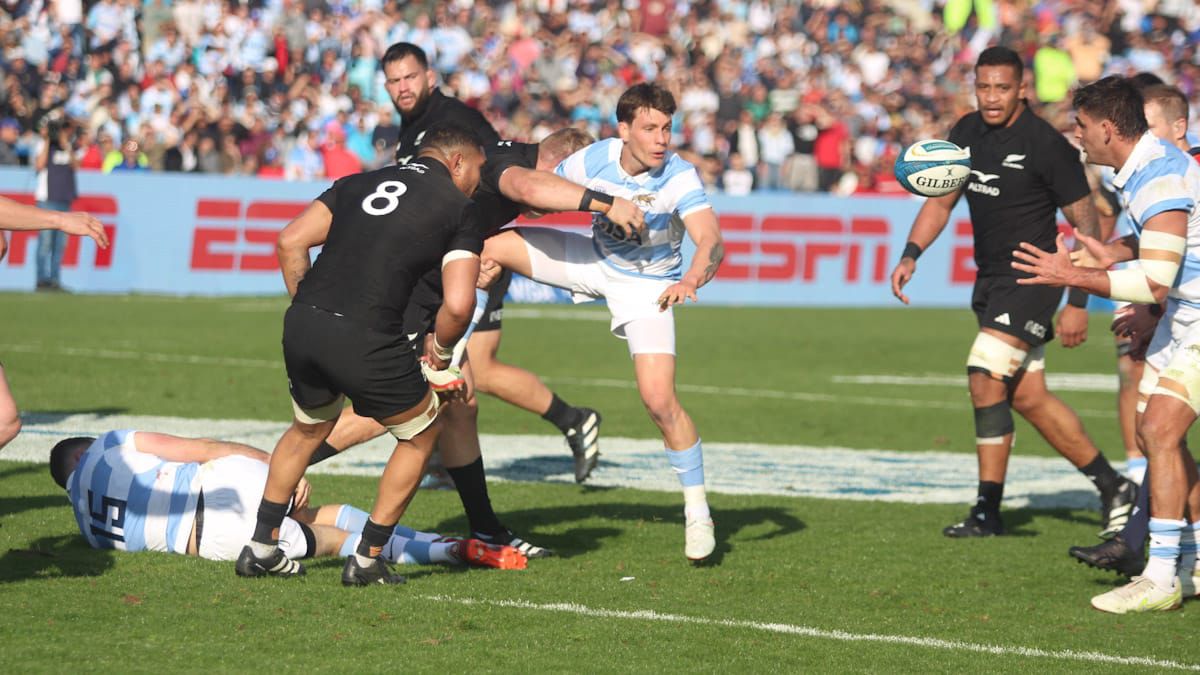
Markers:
667,195
131,500
1158,177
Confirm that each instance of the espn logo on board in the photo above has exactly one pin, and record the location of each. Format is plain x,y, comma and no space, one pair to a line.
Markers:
229,237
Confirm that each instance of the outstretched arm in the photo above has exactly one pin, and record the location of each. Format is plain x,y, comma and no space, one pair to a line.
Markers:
549,192
308,230
179,449
1160,253
17,216
702,226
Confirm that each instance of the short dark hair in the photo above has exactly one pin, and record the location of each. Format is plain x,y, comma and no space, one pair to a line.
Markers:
1001,56
401,50
1145,79
61,457
644,95
448,137
1117,100
1170,100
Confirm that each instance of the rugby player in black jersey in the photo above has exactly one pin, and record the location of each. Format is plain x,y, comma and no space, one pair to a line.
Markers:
343,335
422,106
517,178
1022,172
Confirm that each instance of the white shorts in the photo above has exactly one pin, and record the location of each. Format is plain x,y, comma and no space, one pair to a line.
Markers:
1175,346
233,487
569,261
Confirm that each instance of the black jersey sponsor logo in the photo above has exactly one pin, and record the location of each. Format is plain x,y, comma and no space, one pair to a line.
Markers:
989,190
984,177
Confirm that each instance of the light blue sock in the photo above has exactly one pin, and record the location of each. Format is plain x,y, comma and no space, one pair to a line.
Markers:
1164,551
351,519
350,545
405,551
688,465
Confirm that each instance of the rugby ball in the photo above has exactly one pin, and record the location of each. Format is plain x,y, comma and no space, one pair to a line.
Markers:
933,168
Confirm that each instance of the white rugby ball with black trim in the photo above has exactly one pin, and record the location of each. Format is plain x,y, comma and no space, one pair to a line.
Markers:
933,168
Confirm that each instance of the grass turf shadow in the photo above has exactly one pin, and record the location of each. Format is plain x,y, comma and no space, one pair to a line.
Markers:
579,541
59,556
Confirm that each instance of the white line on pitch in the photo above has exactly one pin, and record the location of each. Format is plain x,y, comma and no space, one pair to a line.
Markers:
740,392
1098,382
839,635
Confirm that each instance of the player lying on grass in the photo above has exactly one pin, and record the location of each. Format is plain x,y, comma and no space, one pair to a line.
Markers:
143,491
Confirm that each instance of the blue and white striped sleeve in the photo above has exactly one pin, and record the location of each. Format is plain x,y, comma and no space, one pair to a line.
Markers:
692,197
1167,192
572,168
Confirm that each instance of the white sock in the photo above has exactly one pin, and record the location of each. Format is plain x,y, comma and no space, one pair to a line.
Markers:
1164,551
262,550
695,503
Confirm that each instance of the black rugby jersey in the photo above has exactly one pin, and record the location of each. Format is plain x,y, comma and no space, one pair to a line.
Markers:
495,211
442,109
1020,176
390,227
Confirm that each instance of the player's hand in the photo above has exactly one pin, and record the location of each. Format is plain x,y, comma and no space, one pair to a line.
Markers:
627,216
489,271
1093,254
677,294
901,275
1072,326
1133,321
1048,269
300,496
83,224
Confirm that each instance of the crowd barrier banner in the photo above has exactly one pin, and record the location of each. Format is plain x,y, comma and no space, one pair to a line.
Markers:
210,235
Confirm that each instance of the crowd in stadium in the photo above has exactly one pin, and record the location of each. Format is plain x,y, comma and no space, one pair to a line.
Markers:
808,95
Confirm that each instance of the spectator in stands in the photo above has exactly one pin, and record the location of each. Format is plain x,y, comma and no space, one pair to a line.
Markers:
56,190
737,180
10,135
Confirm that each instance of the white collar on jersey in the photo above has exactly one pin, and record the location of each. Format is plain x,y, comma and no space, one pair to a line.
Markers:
1146,148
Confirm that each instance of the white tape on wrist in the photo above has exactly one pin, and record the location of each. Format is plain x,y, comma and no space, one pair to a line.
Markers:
457,254
443,353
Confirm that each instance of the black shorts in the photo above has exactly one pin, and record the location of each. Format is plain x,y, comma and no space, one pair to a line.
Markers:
493,311
327,355
422,309
1025,312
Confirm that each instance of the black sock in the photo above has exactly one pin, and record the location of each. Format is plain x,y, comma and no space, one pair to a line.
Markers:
1100,472
989,498
374,538
471,484
270,517
561,415
324,452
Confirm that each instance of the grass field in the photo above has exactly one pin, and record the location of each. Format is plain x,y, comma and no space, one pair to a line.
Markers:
798,584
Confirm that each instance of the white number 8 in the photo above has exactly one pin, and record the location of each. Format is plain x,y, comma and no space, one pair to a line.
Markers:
389,191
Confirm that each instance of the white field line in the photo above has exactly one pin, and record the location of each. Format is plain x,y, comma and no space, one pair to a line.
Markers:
1097,382
730,468
839,635
739,392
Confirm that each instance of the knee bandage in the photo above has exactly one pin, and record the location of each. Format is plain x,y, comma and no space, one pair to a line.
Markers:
329,411
991,355
1181,379
406,431
1146,386
993,423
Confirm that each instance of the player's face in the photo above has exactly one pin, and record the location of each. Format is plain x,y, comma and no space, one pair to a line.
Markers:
408,84
998,93
1093,136
646,139
465,168
1160,126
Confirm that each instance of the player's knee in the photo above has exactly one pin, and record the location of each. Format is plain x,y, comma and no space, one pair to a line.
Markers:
1154,437
663,406
9,429
994,358
1028,399
993,423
